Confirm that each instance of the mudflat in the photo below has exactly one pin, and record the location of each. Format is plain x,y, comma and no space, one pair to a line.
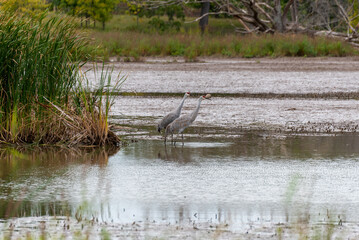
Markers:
294,95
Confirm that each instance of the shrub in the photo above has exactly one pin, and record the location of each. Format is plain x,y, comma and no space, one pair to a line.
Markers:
191,54
174,48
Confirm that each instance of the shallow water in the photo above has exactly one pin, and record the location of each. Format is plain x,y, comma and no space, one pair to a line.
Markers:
245,162
254,177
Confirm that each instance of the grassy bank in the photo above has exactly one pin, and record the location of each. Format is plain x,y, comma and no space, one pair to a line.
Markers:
43,100
124,37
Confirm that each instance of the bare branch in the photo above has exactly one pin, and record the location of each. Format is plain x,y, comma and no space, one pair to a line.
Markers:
269,16
204,15
345,16
265,5
265,13
286,8
245,25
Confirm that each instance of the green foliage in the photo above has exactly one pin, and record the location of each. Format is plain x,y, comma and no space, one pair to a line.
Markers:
226,52
34,57
128,39
174,48
236,46
147,9
98,10
162,26
84,8
28,7
105,235
151,9
70,6
103,10
135,9
191,54
353,13
97,103
190,46
39,83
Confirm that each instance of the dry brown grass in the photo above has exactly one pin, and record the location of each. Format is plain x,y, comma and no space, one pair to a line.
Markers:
63,127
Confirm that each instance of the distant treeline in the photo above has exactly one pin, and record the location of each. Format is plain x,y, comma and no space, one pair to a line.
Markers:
237,28
266,16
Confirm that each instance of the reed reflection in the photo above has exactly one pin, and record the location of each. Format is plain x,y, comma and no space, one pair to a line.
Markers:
25,173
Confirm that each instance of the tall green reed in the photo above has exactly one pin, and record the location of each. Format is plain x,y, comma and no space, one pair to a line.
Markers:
40,84
94,103
39,59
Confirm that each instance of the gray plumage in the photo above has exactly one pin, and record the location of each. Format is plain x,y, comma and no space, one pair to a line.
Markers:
172,115
181,123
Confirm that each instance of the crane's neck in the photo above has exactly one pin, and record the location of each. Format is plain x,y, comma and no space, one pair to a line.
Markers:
179,108
195,112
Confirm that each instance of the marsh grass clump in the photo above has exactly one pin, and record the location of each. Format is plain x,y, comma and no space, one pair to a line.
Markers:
41,96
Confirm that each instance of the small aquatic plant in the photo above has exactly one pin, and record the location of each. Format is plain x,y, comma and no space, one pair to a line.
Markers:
39,85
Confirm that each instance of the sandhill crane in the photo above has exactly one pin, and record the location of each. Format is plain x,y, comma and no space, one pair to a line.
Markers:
181,123
172,115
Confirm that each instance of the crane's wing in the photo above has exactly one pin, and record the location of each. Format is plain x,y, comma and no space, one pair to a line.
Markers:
180,123
167,120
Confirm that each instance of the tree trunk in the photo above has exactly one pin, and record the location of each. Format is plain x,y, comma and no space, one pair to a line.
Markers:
94,23
294,12
203,22
87,20
103,25
278,16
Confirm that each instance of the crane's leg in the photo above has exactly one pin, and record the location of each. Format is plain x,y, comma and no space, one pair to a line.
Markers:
182,140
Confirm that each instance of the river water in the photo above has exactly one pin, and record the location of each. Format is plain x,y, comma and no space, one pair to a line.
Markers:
242,171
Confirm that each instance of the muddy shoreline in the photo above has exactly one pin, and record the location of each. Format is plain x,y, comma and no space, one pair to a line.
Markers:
289,95
324,95
285,77
232,116
67,228
281,64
